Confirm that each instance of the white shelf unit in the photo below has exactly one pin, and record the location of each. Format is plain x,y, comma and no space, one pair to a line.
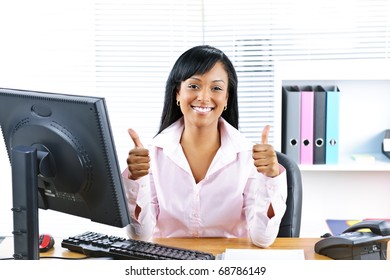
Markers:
364,105
349,189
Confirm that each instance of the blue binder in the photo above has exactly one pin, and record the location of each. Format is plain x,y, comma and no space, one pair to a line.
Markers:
332,125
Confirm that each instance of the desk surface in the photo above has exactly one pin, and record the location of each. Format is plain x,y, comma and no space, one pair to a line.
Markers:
218,245
211,245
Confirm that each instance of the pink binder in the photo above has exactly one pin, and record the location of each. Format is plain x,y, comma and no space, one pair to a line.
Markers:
307,125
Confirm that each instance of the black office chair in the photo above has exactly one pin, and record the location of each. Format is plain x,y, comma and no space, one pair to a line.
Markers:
291,221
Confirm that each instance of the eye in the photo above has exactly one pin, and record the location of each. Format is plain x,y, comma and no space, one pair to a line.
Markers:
217,88
192,86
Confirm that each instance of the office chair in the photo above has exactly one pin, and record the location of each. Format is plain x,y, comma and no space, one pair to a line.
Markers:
291,221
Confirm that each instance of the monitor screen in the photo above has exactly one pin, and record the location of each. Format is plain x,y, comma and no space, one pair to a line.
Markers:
77,168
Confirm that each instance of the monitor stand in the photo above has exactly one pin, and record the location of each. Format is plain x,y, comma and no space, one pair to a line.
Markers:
25,164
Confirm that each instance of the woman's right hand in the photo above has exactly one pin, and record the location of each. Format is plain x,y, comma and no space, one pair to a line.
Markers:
138,159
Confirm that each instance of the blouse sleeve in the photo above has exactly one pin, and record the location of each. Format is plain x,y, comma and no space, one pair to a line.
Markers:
261,192
138,193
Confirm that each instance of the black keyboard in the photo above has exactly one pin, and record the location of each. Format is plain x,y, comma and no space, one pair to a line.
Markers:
95,244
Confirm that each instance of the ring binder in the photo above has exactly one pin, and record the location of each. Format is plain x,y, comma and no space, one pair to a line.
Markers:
307,118
319,131
332,125
291,122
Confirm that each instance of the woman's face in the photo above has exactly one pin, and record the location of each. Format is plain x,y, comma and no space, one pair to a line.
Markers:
203,97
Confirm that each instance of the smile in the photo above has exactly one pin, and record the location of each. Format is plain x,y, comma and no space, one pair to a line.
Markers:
202,109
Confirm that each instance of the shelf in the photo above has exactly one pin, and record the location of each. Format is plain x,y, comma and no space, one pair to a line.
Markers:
346,163
364,115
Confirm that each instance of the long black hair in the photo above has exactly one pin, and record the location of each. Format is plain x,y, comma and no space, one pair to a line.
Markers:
198,60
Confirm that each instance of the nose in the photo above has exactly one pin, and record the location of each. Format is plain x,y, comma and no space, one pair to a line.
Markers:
204,95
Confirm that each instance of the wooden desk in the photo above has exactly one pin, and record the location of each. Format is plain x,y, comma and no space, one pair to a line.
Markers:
218,245
211,245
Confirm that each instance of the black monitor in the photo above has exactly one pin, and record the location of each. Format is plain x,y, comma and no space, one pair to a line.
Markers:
63,158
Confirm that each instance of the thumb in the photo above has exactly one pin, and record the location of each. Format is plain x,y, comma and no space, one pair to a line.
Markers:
134,136
264,134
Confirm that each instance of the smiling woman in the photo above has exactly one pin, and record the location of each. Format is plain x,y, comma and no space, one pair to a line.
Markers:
202,99
123,50
201,177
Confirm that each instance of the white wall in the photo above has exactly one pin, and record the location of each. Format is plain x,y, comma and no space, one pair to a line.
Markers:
351,195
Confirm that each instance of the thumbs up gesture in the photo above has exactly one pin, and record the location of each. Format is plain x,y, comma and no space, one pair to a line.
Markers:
138,159
264,156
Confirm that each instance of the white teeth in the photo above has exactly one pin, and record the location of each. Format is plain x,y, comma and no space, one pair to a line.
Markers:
202,109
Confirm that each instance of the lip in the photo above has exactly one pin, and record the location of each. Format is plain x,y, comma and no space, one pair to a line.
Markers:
202,109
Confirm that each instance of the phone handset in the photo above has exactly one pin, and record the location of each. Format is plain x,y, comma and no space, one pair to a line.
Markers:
379,227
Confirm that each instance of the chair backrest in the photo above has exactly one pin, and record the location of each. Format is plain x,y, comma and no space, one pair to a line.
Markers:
291,221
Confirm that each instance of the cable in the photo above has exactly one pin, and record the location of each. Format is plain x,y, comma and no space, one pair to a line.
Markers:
51,257
64,258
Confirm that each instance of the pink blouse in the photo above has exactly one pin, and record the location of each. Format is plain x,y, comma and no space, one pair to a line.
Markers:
231,201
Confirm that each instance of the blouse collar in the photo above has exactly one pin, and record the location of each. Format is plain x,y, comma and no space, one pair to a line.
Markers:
232,141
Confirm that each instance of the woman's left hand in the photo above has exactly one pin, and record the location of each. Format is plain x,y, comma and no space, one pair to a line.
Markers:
264,156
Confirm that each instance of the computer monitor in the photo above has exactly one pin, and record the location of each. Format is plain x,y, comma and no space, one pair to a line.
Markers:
63,158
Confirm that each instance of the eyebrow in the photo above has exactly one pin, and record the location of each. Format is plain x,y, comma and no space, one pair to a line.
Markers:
215,81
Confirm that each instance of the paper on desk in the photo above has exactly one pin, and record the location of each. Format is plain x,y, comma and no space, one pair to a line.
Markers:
263,254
